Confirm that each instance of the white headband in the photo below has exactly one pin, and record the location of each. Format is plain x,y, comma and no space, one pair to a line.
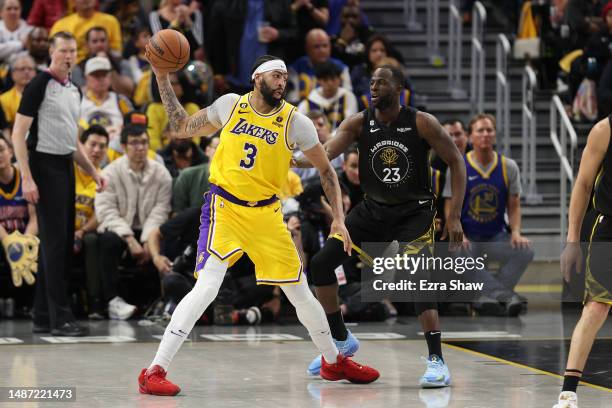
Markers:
273,65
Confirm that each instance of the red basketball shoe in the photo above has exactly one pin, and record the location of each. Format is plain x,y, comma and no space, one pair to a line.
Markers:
153,381
347,369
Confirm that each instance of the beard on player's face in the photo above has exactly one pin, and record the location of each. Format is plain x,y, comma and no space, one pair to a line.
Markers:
384,101
267,92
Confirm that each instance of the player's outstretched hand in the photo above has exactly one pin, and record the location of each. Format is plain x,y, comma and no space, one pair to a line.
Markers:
571,258
338,227
157,71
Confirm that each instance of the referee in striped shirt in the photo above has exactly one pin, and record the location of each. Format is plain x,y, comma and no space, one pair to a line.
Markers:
48,115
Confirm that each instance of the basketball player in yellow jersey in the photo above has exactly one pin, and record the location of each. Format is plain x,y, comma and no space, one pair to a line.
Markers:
241,213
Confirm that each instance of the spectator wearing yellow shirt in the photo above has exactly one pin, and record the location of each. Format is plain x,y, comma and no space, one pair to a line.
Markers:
95,142
84,18
23,69
157,116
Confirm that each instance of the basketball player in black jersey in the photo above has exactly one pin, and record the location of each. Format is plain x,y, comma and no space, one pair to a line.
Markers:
595,172
394,143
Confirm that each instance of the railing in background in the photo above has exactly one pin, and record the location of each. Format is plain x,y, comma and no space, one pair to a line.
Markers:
502,93
560,124
455,48
433,33
528,170
479,18
410,16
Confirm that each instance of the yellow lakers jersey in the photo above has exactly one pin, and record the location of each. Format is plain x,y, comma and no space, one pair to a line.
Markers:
252,159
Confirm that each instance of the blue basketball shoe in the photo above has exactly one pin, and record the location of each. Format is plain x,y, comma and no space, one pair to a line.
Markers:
347,348
436,375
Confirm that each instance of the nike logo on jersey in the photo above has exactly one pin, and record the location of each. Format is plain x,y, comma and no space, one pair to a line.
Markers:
403,130
471,178
421,202
243,112
374,130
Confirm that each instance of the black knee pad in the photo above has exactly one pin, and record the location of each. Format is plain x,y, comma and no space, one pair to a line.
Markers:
324,263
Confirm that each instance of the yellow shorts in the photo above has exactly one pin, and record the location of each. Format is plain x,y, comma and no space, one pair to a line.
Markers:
229,230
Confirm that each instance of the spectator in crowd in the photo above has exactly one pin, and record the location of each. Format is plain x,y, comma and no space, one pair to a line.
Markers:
584,19
178,16
246,32
115,148
323,128
335,15
192,182
457,132
136,201
349,46
329,97
45,13
301,73
180,154
138,63
16,214
122,80
84,18
48,114
157,115
349,176
377,48
13,30
493,188
98,97
309,14
37,47
132,18
95,143
22,71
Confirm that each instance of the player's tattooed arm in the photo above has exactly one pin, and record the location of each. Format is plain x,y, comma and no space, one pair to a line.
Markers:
429,128
180,122
177,115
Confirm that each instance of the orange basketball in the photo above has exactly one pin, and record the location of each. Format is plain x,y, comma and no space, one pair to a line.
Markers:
168,50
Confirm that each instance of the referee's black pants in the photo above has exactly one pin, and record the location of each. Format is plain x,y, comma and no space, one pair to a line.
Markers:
54,177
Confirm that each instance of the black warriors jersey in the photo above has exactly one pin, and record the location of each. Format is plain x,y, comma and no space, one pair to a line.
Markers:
394,160
602,198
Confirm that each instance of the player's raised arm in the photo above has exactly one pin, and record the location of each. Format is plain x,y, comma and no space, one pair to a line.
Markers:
184,125
429,128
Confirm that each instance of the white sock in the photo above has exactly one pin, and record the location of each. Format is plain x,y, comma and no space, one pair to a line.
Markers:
189,310
312,316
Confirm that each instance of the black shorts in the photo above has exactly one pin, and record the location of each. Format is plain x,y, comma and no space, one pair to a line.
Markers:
598,280
371,221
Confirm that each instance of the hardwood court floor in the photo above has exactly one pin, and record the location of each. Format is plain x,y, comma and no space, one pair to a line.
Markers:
266,367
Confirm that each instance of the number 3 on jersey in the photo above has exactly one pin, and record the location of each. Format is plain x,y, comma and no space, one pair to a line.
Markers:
249,161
